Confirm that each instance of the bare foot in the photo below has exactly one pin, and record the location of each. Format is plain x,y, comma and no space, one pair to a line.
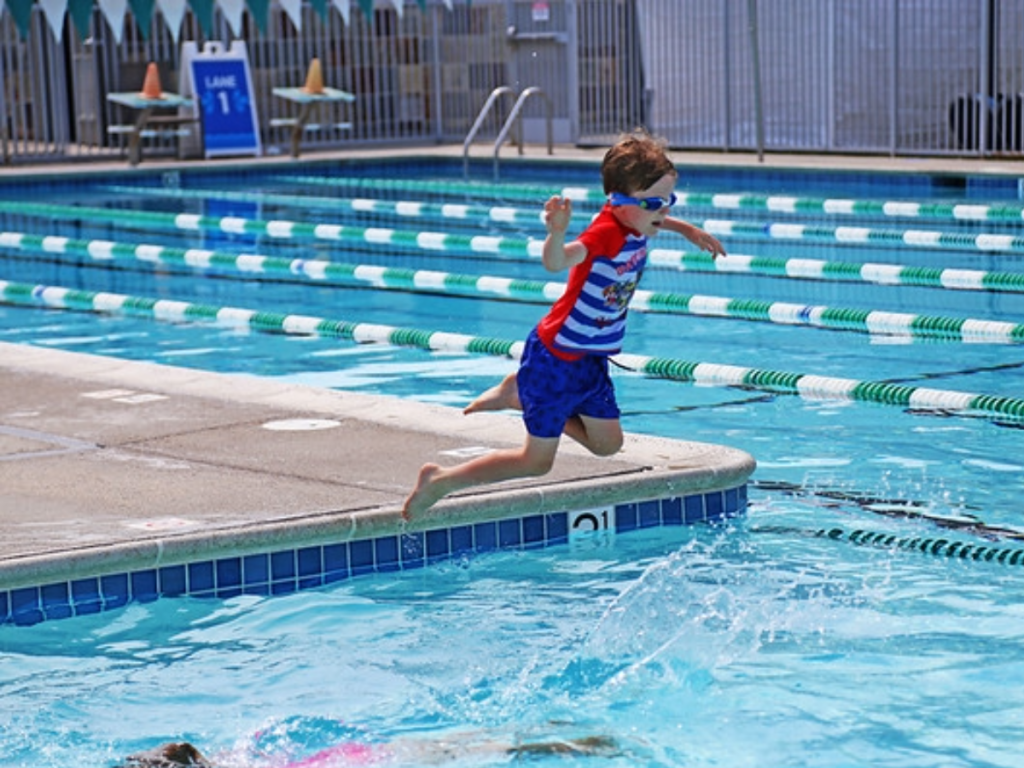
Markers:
498,398
424,494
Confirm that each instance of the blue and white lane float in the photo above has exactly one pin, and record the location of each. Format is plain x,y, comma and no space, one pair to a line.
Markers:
714,374
900,324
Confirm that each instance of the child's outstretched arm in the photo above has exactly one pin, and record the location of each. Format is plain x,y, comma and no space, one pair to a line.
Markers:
558,254
696,235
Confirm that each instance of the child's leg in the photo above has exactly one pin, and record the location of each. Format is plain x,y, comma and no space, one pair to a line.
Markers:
534,458
499,397
602,437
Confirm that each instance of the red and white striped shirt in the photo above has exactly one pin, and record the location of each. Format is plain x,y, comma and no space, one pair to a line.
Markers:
590,316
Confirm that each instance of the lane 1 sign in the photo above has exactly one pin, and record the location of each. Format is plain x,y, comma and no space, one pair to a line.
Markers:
223,94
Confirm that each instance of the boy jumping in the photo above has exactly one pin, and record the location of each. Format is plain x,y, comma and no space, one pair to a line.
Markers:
563,385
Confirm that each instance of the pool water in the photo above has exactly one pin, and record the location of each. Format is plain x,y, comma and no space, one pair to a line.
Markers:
816,630
701,647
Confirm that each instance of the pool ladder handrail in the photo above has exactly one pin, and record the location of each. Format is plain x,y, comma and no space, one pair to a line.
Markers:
511,120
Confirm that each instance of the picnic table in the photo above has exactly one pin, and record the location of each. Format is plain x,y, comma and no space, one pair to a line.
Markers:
147,124
309,104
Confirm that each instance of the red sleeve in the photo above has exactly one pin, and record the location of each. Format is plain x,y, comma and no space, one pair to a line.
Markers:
604,237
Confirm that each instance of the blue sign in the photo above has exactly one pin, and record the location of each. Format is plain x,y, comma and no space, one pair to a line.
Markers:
223,94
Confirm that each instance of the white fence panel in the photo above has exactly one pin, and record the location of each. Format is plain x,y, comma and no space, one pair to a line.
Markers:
913,77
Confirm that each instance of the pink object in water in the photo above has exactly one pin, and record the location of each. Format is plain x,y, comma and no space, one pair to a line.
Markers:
349,753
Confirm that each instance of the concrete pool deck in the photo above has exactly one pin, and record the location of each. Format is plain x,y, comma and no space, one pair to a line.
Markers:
108,465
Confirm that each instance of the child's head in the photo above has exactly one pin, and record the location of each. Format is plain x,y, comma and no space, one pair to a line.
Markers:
635,162
173,755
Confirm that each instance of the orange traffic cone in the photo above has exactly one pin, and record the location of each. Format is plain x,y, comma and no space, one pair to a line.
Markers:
314,78
151,88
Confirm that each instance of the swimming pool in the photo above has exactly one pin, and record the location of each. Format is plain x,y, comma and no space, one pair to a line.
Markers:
880,547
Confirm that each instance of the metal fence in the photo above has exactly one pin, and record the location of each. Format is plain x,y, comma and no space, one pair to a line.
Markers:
883,76
899,77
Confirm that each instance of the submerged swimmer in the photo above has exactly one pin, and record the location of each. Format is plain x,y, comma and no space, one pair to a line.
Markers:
418,752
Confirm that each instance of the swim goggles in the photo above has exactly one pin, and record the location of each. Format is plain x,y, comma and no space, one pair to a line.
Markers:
646,203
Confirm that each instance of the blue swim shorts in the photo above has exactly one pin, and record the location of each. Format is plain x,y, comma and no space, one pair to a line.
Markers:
552,389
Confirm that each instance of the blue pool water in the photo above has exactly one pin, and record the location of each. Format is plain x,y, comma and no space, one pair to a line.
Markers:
761,643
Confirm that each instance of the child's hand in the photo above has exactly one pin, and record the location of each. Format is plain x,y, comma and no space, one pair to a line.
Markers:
557,212
703,240
708,242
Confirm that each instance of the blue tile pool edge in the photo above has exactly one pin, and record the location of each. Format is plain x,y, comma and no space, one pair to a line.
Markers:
291,569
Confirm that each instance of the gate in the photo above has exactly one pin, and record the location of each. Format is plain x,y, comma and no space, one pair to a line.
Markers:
538,39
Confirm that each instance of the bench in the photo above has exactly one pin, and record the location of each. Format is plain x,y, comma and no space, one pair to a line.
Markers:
293,122
154,128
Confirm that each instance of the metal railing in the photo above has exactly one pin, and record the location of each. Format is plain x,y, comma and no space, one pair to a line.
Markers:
896,77
485,111
514,119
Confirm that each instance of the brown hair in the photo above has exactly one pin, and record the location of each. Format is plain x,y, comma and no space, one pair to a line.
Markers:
636,161
173,755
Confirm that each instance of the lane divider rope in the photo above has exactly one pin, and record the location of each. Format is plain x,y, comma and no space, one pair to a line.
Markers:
990,212
930,209
968,330
938,546
776,230
461,189
910,238
842,271
809,233
379,236
503,214
661,258
815,387
807,386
